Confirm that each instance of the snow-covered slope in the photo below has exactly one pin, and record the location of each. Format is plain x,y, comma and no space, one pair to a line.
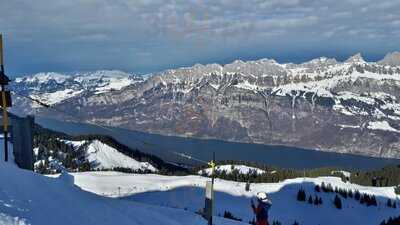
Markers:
188,192
53,88
102,156
242,169
29,198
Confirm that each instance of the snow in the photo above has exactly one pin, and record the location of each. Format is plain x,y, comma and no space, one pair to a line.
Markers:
103,156
34,199
357,58
342,126
75,144
52,98
246,85
381,125
43,78
115,84
375,76
345,173
41,85
242,169
36,151
215,86
188,193
346,95
84,198
10,151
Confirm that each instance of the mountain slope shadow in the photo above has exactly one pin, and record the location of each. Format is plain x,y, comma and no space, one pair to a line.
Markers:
285,209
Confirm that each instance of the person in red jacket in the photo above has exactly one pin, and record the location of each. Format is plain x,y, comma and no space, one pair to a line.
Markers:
262,208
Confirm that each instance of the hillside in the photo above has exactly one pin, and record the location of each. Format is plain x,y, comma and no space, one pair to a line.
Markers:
346,107
55,151
174,200
28,198
188,193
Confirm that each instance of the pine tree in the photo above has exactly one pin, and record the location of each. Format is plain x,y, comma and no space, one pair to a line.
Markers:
323,187
373,201
337,202
362,199
357,195
310,201
329,188
320,201
301,195
317,188
389,203
350,193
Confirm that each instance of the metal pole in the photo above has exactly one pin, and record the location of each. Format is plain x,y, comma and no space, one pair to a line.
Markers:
4,106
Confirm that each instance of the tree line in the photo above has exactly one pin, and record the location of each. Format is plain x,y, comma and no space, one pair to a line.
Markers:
52,153
384,177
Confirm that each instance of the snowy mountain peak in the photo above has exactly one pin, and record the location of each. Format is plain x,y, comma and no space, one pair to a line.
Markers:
391,59
178,98
357,58
102,74
322,60
53,88
43,78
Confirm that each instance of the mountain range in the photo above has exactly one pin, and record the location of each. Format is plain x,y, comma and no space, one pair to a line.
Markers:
323,104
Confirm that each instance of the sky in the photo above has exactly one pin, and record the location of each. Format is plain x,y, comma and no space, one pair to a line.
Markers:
143,36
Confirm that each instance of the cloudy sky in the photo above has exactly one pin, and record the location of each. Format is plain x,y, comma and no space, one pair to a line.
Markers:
150,35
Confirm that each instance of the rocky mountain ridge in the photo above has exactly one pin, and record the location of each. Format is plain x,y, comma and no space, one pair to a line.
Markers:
348,107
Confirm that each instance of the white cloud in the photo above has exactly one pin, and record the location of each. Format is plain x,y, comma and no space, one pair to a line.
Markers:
93,27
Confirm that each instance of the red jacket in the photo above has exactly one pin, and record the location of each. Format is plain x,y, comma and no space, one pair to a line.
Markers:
259,211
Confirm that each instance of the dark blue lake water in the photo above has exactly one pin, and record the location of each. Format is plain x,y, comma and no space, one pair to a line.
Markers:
162,146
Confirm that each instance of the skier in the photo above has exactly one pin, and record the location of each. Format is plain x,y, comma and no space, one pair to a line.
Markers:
261,211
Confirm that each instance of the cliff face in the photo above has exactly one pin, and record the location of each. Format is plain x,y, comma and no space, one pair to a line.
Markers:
348,107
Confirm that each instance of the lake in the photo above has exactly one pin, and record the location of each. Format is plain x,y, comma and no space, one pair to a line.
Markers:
163,146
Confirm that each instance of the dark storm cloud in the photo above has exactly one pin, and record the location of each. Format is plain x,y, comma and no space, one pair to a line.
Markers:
145,35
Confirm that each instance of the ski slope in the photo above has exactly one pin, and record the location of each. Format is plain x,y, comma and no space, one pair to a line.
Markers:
188,193
109,198
29,198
